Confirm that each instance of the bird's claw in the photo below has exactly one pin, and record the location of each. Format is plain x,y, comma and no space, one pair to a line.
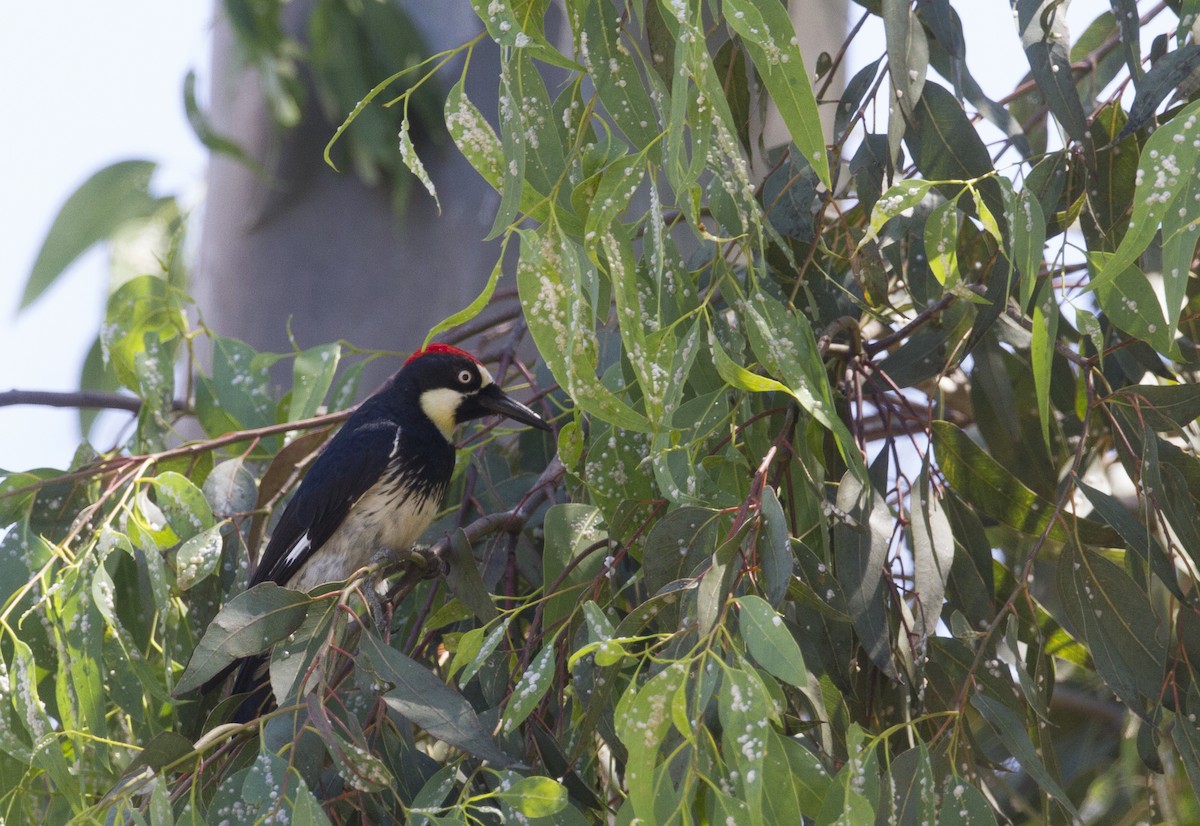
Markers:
425,558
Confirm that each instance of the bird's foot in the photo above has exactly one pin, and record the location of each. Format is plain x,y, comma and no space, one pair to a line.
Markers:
425,560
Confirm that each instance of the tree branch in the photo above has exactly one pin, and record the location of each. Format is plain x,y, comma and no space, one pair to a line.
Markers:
75,398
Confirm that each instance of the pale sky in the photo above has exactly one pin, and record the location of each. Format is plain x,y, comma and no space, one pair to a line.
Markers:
83,84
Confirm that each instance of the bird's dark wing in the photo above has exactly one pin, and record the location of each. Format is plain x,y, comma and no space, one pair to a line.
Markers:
351,462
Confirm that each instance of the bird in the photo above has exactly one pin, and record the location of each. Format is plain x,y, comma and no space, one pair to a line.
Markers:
378,483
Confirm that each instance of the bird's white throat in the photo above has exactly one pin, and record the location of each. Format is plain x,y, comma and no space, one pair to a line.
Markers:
440,404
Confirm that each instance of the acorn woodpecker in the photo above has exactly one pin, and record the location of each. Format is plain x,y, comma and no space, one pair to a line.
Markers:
379,481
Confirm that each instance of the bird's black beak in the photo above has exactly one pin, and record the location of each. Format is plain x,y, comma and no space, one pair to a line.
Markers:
494,400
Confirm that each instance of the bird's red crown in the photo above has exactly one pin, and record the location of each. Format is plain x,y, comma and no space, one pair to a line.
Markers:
440,348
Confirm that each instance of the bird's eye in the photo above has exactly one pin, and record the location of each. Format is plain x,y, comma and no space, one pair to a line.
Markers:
464,377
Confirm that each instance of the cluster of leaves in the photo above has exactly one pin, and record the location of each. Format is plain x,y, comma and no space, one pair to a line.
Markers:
336,52
876,471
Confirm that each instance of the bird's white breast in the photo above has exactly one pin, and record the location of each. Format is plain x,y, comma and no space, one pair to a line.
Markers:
381,519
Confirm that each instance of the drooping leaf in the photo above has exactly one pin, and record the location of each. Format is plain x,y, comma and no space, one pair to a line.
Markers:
109,198
248,624
422,698
769,641
766,30
1044,36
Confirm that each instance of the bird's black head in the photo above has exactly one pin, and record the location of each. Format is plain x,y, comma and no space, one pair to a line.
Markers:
452,387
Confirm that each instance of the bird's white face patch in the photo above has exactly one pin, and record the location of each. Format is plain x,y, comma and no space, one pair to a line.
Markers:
440,404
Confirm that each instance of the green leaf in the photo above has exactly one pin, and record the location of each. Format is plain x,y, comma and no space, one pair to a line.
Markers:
230,488
426,701
1164,407
248,624
535,796
641,723
769,641
941,243
744,707
1041,352
946,147
1164,197
1139,537
1116,620
860,553
182,503
266,787
408,154
610,65
570,528
1131,302
965,805
93,213
908,63
473,135
775,558
989,487
1011,731
1027,223
914,788
561,321
312,376
1164,77
767,32
900,197
198,557
292,657
932,551
471,310
530,689
475,650
1044,36
464,580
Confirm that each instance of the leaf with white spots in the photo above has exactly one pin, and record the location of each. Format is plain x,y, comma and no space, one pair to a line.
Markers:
263,790
642,719
530,689
611,66
474,649
941,243
408,154
913,786
1027,223
766,30
532,796
784,343
520,24
312,376
184,505
230,488
964,805
473,135
197,558
248,624
561,322
769,641
1167,195
901,197
745,711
